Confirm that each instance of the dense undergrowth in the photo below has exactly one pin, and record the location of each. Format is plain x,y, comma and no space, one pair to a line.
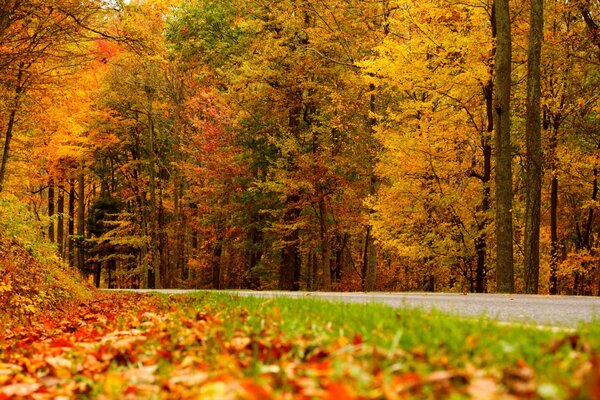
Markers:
32,277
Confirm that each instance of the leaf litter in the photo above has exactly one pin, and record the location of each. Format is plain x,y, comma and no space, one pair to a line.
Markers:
135,346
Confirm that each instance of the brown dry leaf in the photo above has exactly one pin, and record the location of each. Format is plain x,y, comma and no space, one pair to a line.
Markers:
20,389
440,376
483,389
9,369
239,343
520,381
141,374
59,362
188,378
126,343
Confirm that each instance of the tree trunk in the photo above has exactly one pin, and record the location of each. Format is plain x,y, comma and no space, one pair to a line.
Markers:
554,245
154,223
504,191
19,90
289,270
587,235
484,207
533,140
216,264
254,257
369,273
554,257
60,229
325,246
71,223
81,221
51,209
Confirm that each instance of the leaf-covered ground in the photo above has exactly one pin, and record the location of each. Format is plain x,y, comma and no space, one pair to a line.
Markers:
213,346
32,278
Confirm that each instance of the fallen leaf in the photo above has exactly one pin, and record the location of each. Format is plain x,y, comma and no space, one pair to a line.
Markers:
20,389
239,343
483,389
188,378
141,374
336,391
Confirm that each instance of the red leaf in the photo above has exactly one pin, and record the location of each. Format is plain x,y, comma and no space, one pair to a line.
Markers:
61,342
336,391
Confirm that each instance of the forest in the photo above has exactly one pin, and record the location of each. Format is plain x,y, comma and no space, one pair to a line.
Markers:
346,145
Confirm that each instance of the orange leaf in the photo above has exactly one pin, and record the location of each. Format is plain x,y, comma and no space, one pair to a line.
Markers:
336,391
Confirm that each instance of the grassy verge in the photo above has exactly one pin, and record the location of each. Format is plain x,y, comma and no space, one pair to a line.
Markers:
219,346
385,345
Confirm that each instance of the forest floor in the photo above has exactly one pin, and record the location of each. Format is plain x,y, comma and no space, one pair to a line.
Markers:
222,346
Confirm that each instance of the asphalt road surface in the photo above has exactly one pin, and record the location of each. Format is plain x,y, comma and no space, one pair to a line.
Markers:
550,311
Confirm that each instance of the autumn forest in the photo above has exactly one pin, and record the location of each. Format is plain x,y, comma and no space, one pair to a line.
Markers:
389,145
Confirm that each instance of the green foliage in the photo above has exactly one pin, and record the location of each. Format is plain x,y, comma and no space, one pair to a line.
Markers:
19,223
212,31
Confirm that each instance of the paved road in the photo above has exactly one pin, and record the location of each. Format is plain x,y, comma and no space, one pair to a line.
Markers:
563,311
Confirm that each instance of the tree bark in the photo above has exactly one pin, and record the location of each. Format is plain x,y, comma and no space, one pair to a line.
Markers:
71,223
504,191
51,209
154,223
81,221
19,90
216,264
485,177
60,229
369,273
554,257
289,270
325,246
533,140
554,246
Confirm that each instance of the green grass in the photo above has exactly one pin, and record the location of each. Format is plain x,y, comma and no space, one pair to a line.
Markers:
410,340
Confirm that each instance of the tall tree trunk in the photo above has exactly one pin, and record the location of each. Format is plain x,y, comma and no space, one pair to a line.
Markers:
587,234
325,245
533,140
163,243
60,229
216,263
369,273
369,270
71,223
154,223
484,206
554,245
51,208
97,274
81,220
19,90
504,191
254,255
593,29
289,270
